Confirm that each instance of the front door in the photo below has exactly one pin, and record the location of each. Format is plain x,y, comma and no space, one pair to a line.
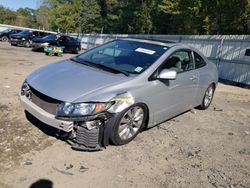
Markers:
172,97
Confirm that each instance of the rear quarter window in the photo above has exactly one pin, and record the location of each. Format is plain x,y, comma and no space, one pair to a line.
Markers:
199,61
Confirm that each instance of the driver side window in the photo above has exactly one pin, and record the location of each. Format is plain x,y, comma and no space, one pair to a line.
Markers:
180,61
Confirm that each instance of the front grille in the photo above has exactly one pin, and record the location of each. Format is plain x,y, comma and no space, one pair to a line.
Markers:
88,138
46,103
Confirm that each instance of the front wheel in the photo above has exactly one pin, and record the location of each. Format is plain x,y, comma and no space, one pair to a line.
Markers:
27,44
129,123
208,97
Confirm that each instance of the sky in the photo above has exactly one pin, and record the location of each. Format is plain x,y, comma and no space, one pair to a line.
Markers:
16,4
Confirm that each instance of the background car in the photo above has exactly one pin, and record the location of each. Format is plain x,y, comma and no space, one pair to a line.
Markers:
68,43
24,38
5,34
38,43
113,91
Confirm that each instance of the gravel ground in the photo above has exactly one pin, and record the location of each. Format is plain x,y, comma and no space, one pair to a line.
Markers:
196,149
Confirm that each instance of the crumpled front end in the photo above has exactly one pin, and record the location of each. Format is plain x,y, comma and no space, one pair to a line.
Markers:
86,133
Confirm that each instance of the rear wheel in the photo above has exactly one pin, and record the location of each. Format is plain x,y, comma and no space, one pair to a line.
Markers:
4,39
208,97
76,51
129,123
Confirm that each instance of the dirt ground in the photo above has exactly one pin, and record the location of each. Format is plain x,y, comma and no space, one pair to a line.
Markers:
197,149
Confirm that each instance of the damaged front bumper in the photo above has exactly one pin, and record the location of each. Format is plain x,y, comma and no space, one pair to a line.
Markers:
89,134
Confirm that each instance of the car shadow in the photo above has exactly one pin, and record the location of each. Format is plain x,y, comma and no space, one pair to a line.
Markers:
171,119
48,130
42,183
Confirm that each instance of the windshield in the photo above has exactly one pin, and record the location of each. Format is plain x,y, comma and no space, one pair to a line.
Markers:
26,32
124,55
50,37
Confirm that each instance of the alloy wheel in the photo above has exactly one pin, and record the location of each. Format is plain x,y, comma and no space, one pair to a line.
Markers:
208,96
131,122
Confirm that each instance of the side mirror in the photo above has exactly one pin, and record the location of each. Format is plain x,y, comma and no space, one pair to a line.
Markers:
167,74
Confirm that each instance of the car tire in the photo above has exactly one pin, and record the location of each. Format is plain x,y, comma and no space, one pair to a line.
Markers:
128,124
5,39
27,44
76,51
208,97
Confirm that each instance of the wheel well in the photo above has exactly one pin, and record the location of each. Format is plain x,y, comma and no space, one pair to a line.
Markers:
147,117
214,85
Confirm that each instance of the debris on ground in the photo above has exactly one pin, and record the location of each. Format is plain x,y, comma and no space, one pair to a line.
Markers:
193,111
83,168
28,162
218,109
69,167
63,172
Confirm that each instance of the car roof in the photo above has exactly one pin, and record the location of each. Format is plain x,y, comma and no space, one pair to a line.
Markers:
152,41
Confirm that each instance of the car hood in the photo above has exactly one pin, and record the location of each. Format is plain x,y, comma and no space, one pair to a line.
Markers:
69,81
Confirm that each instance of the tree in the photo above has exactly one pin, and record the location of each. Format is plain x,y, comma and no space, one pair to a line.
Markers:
43,17
61,17
26,17
111,11
136,16
7,16
88,17
184,16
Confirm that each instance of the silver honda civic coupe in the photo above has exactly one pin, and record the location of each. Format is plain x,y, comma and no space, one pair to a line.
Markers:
110,93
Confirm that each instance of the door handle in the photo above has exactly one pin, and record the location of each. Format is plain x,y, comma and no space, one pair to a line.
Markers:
193,78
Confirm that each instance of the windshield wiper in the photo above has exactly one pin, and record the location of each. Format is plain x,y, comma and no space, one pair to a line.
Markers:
81,62
104,67
93,64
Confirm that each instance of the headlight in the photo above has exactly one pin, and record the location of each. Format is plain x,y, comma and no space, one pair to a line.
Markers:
23,39
45,44
81,109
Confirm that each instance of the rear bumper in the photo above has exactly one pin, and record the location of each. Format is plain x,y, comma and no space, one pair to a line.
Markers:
37,47
44,116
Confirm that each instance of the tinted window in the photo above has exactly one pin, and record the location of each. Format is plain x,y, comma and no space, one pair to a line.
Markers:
42,34
72,39
130,56
180,61
36,33
247,53
50,37
15,31
25,32
199,61
62,38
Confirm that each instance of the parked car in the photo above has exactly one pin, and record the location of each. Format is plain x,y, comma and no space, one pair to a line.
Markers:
25,37
114,91
5,34
38,44
68,43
